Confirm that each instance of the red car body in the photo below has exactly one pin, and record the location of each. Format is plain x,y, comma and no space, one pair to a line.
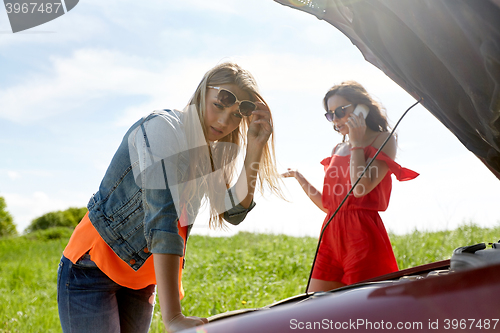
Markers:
427,298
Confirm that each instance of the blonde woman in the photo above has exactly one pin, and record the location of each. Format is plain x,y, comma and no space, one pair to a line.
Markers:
133,237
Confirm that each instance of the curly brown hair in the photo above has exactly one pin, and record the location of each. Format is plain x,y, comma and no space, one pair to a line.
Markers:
355,93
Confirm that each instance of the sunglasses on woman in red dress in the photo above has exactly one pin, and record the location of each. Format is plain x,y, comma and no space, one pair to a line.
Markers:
339,113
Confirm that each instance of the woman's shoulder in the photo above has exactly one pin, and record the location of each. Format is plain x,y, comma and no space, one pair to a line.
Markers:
390,147
167,114
162,126
165,119
341,149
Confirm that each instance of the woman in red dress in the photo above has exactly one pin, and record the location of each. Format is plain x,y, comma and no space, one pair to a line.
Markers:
355,245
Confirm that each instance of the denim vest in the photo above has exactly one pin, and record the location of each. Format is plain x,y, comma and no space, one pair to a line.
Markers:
137,222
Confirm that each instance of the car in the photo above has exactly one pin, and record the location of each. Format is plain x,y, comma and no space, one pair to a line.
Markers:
445,53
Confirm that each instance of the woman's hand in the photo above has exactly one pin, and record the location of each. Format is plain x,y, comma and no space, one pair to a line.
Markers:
181,322
290,173
310,190
260,128
357,129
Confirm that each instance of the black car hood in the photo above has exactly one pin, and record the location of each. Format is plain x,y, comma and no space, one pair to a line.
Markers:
444,51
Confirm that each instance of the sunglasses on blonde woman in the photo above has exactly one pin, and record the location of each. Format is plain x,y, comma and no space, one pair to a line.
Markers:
339,112
227,99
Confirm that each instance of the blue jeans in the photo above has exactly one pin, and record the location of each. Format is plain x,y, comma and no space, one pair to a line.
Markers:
89,301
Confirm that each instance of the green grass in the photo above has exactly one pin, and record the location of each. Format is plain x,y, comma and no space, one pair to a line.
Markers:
243,271
28,274
419,248
222,274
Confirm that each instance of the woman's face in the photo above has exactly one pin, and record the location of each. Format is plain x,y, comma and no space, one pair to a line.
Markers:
340,123
220,121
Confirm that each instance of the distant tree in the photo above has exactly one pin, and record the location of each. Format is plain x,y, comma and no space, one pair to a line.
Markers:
67,218
7,226
75,214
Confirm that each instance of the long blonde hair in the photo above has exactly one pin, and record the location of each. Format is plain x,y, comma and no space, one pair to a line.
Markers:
231,73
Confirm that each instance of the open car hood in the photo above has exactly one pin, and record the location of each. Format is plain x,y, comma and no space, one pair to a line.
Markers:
444,51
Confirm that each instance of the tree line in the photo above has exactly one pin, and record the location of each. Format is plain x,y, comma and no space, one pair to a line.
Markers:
63,218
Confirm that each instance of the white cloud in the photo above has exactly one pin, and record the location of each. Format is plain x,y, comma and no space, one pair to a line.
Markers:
26,173
13,175
71,82
93,73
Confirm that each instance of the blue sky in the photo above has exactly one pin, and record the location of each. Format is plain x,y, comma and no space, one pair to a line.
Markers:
70,88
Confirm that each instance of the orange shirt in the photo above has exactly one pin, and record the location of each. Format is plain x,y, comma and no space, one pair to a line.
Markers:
85,239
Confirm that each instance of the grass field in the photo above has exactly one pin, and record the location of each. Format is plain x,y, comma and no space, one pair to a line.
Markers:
222,274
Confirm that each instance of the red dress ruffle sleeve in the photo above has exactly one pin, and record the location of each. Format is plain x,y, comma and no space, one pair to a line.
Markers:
355,245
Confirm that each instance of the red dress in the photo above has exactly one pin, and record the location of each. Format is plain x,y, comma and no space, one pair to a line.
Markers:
355,245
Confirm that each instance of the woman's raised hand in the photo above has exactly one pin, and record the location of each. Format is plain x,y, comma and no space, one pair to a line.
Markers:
260,128
357,129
